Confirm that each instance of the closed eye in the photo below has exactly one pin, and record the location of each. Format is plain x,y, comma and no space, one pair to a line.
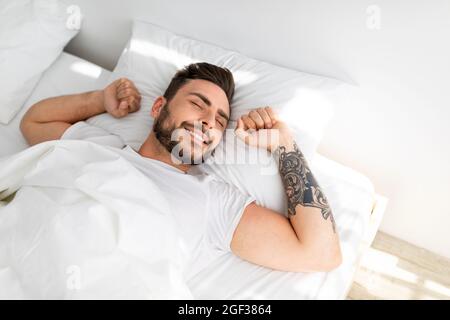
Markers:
220,123
196,104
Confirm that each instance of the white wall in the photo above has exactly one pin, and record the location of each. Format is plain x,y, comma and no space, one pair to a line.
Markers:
401,142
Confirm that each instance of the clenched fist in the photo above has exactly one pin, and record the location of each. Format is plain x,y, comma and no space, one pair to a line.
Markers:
262,128
121,97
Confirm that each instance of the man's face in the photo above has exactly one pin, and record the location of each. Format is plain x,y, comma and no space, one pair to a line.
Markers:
191,125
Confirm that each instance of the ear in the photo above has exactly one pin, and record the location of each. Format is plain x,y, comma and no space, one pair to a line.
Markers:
159,103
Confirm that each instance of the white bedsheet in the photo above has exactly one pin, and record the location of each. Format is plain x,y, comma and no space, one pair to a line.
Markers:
85,223
349,193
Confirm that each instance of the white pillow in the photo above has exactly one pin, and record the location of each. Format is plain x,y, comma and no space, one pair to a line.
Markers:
33,33
153,55
305,101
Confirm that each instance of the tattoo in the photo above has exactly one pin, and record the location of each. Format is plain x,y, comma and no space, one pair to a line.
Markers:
300,185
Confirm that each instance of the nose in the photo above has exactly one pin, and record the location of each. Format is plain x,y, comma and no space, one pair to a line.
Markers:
206,125
209,120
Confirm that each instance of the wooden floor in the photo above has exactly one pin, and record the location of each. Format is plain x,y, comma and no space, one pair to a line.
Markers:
395,269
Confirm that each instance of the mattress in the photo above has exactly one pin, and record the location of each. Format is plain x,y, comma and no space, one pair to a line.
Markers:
351,196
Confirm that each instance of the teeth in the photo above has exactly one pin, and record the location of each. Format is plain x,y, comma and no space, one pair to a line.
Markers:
196,136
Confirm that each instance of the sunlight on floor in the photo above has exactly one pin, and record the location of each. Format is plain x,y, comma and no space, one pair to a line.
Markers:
437,287
386,264
407,273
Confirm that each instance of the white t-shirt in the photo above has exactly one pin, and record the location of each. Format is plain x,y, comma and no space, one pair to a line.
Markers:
206,210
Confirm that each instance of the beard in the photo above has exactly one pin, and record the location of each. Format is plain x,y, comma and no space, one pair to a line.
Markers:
164,132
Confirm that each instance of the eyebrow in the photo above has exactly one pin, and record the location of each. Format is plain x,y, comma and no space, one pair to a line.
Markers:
208,103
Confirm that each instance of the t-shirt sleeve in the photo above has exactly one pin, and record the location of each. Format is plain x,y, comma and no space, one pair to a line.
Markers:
84,131
226,206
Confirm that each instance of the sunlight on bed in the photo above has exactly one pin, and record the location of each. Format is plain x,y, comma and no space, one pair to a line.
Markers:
302,99
161,53
87,69
242,77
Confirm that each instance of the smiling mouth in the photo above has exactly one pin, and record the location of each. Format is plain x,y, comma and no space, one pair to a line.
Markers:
200,138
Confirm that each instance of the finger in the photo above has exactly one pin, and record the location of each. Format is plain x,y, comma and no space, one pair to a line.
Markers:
124,89
123,105
266,118
120,82
123,84
240,131
240,124
133,104
139,98
249,122
246,127
117,83
272,114
254,115
129,92
120,113
125,93
127,84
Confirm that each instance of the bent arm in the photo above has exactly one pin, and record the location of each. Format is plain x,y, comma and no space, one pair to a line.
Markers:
266,237
306,240
308,208
49,118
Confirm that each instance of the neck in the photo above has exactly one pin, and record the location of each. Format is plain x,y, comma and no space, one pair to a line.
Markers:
153,149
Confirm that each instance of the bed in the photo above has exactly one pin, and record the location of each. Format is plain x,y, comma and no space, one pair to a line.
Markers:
351,195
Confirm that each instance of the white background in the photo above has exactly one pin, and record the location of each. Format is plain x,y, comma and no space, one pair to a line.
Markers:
400,141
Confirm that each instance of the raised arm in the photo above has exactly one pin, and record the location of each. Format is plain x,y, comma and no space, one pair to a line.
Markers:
307,240
49,118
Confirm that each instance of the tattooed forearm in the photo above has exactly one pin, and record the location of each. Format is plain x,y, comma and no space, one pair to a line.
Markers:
300,185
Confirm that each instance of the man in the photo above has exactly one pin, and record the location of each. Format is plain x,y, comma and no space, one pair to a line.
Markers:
211,214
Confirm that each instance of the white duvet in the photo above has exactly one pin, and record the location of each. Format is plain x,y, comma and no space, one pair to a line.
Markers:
84,223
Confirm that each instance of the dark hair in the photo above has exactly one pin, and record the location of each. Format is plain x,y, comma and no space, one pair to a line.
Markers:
203,71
